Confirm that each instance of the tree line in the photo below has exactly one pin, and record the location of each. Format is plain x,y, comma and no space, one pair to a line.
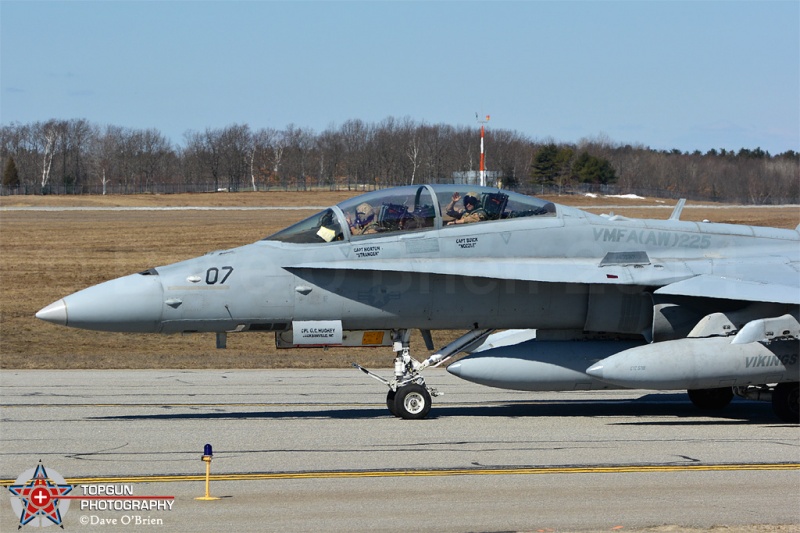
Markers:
79,157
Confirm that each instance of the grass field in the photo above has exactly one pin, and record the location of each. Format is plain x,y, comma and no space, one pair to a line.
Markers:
45,255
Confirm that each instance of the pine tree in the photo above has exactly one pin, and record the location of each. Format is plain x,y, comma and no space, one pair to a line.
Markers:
11,175
543,168
591,169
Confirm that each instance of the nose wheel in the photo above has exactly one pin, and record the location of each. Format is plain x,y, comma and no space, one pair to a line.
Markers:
411,402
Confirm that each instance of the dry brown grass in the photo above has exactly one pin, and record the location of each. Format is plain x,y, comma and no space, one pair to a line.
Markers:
47,255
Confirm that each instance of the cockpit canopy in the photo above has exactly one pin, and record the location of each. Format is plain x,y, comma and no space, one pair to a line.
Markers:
412,208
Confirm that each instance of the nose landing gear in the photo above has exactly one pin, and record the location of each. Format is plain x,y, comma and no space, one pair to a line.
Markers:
409,397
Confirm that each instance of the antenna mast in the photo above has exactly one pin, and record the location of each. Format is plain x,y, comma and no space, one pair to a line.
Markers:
483,156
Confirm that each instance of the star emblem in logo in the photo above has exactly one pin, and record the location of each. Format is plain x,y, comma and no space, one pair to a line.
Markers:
40,497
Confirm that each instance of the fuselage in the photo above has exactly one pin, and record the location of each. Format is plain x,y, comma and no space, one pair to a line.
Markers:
534,265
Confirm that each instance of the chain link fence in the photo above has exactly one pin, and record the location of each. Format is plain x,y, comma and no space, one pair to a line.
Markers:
533,190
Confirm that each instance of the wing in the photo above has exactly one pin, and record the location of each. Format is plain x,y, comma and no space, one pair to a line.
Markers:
770,283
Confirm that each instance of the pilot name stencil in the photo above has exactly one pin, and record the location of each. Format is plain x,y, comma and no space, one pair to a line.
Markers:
467,242
317,332
326,333
367,251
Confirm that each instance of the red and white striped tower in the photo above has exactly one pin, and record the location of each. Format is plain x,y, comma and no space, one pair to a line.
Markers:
483,156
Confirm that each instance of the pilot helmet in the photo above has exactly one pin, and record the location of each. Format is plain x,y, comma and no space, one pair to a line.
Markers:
471,198
364,212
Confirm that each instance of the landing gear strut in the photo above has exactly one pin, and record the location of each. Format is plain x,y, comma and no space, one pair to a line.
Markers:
409,397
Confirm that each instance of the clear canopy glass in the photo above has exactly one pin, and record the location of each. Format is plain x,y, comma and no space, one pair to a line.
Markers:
412,208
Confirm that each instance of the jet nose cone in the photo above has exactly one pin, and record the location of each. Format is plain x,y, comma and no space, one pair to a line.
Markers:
128,304
55,313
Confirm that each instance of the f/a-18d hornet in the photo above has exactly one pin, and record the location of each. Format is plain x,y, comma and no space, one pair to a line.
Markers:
552,297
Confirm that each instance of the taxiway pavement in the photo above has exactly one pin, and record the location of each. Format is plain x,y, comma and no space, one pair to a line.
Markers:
316,450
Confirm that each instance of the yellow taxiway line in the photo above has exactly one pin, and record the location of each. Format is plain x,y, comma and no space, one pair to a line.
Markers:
344,474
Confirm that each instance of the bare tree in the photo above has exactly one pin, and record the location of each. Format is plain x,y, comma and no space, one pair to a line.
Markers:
331,150
46,135
263,156
105,147
235,149
299,145
76,153
211,155
412,144
355,135
434,149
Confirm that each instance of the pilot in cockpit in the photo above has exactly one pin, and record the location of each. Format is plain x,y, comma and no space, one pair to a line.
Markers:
472,211
364,223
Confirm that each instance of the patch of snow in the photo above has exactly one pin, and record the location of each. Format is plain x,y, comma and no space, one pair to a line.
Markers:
630,196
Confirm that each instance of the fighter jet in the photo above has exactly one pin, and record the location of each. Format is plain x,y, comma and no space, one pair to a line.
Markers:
551,297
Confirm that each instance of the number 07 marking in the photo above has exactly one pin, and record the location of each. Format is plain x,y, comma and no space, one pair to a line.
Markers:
212,275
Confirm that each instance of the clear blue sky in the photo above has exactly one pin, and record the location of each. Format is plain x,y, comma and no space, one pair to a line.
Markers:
686,75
